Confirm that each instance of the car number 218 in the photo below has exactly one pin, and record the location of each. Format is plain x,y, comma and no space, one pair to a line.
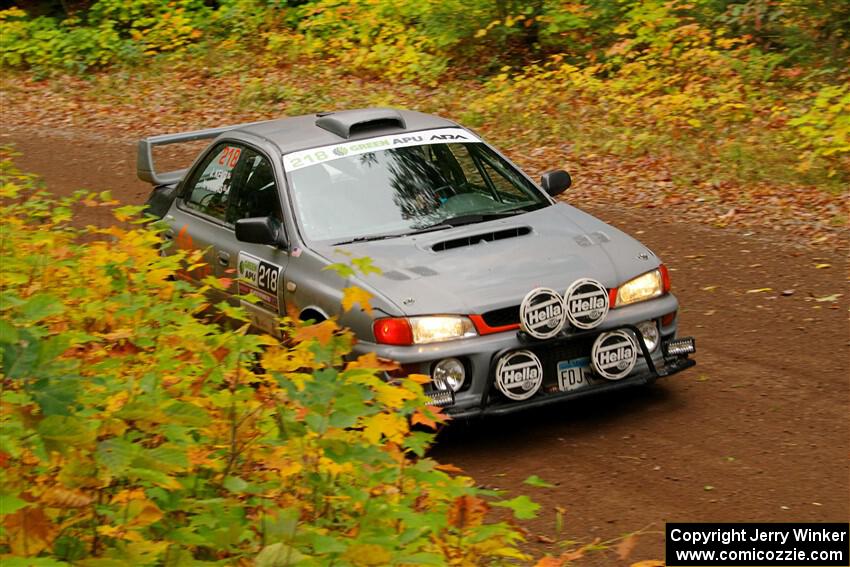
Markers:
267,276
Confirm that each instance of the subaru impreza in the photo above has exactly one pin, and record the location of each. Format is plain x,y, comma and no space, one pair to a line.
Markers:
507,297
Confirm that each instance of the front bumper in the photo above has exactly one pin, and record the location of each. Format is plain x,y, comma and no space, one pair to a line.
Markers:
647,370
481,354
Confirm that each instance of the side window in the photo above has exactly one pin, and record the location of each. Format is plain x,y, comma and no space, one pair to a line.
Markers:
210,191
255,189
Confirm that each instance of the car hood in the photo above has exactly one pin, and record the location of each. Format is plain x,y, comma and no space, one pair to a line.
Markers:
476,268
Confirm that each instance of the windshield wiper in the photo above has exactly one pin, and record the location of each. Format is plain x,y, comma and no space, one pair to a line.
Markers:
371,237
472,218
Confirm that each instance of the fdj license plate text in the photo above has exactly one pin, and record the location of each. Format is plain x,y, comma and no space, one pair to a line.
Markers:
574,374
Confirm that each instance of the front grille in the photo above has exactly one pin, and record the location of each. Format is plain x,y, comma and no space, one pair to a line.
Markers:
551,355
502,317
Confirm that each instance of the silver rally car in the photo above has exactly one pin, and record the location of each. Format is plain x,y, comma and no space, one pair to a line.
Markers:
508,298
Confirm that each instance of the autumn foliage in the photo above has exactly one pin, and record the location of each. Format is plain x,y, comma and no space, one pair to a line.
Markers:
135,431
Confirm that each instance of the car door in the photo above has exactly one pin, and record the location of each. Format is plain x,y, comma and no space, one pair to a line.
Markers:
258,269
198,218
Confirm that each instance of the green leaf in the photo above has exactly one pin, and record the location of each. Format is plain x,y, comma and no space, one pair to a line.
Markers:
535,480
235,484
65,431
32,562
41,306
187,414
278,555
8,333
58,396
323,544
10,504
523,507
116,454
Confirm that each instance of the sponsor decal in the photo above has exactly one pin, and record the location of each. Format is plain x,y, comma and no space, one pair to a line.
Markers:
519,375
586,303
614,354
541,313
306,158
260,279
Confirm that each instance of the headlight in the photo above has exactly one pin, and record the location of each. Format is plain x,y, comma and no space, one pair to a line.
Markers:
641,288
422,330
436,328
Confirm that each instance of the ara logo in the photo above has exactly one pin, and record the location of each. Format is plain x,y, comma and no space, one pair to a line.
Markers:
614,354
448,137
587,303
541,313
519,375
340,151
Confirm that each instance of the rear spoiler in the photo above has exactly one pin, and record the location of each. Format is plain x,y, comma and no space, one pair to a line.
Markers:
144,162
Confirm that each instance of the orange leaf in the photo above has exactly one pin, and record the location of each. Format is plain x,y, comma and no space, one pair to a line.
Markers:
467,512
321,332
28,531
58,497
419,378
625,547
421,419
648,563
448,468
549,562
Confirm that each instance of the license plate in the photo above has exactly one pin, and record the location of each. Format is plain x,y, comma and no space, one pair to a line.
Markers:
574,374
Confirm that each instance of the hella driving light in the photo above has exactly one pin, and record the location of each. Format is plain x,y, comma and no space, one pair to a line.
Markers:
649,331
641,288
449,374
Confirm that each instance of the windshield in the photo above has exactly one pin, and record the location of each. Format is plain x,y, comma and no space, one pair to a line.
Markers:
403,190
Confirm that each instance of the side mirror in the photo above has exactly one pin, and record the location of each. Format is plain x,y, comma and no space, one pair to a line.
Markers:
556,181
260,230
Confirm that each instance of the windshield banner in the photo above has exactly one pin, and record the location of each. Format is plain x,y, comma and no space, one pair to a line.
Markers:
306,158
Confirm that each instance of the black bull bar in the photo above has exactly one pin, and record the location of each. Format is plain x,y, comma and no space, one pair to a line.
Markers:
675,359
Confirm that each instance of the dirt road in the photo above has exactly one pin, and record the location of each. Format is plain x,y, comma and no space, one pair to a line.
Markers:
758,431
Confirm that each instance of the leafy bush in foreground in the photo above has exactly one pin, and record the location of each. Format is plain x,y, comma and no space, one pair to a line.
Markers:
135,433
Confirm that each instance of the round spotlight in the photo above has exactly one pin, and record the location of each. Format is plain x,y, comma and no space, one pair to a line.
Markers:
649,330
448,374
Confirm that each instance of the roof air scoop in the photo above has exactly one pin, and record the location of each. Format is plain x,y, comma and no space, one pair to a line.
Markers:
351,122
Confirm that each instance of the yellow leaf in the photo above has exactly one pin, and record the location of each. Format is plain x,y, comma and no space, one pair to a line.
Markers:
648,563
143,512
822,266
352,295
367,554
392,426
371,361
394,396
760,290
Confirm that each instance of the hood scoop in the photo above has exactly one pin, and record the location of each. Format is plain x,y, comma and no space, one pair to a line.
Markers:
474,239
